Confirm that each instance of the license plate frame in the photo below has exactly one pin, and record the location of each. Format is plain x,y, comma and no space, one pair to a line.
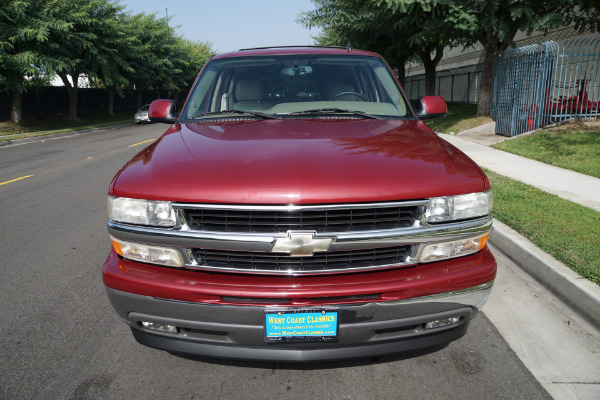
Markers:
301,325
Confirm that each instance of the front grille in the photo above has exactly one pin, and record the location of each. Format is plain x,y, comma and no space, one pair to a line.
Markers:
319,220
320,262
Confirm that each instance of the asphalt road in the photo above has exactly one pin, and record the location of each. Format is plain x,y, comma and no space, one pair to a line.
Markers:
60,339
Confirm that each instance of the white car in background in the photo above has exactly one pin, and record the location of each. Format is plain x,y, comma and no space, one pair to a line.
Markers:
142,115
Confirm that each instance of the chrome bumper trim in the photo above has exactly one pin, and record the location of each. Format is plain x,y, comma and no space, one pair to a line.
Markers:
416,237
261,242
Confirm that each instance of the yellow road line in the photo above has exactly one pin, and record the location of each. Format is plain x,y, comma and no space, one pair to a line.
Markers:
137,144
14,180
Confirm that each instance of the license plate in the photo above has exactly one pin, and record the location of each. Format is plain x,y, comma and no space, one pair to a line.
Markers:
301,325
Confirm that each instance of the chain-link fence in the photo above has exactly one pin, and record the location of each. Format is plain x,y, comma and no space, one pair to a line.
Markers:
456,85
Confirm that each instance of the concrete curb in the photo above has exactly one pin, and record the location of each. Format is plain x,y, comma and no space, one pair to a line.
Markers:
60,135
578,292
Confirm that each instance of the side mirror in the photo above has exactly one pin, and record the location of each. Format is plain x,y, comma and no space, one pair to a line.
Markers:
162,111
429,107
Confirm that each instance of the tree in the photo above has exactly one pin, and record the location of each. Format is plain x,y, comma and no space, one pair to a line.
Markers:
189,58
95,39
500,20
162,60
430,27
87,47
397,29
113,62
150,53
359,24
25,30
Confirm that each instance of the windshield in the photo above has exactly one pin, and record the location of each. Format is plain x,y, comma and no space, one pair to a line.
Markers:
291,85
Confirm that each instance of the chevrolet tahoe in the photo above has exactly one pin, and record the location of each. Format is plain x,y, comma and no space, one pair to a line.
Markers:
297,209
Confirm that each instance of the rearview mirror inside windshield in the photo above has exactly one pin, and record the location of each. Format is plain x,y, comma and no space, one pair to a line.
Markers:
297,70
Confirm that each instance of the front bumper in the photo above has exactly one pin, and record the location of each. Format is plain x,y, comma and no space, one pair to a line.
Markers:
219,315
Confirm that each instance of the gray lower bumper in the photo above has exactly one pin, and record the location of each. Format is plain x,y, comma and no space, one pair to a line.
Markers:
237,332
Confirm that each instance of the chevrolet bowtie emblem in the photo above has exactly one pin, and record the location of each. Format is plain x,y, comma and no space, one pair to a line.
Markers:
301,244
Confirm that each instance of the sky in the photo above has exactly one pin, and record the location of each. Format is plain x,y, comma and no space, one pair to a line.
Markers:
233,24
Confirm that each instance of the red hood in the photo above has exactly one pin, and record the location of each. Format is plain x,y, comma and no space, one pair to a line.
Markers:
298,162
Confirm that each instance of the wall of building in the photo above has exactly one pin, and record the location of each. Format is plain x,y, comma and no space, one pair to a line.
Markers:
464,56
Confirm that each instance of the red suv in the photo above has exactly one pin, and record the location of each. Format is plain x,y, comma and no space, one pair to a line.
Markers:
298,209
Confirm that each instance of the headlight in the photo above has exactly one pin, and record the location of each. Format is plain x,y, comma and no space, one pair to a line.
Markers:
141,212
464,206
457,248
148,254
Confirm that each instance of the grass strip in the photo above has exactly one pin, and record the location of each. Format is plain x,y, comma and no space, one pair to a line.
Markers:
574,146
460,117
47,124
53,132
567,231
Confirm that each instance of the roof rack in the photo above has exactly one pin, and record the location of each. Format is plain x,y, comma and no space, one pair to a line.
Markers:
287,47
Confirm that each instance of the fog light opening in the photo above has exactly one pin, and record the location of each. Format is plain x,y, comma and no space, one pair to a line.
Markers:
160,327
442,322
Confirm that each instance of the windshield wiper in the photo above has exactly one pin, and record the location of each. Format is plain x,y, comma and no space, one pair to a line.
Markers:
225,112
334,111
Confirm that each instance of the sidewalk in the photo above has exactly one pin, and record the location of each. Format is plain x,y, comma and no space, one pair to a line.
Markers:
573,186
580,293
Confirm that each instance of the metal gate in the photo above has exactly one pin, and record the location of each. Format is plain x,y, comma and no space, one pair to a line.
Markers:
537,85
521,77
575,91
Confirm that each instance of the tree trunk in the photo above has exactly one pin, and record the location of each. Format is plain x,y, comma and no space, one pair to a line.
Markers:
492,45
430,78
430,64
16,110
484,102
111,101
72,90
138,100
73,103
401,73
